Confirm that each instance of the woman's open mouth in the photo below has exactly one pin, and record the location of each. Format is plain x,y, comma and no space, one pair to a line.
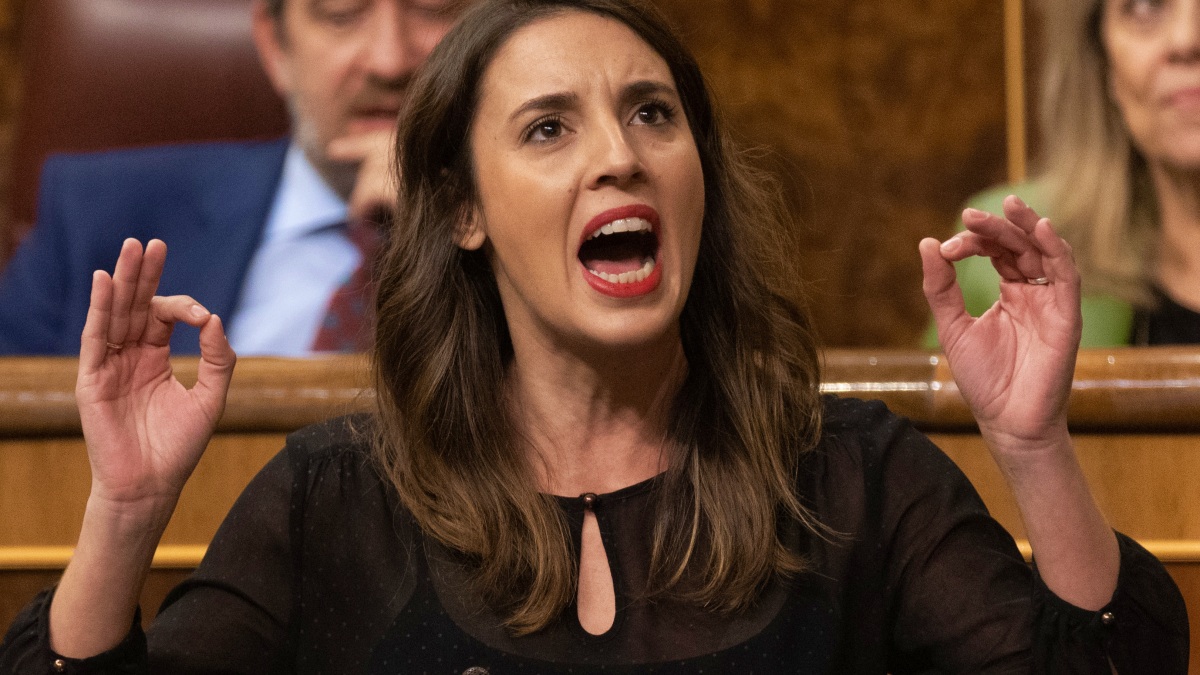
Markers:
619,252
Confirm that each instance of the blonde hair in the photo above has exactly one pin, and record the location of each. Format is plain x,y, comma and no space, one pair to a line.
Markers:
1097,187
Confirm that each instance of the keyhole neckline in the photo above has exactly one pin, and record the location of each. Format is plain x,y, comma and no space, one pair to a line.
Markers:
591,501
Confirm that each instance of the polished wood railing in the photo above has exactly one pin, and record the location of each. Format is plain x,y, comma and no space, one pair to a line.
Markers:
1123,389
1135,416
37,395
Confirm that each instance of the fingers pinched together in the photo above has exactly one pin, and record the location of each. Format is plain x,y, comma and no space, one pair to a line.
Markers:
125,312
1022,246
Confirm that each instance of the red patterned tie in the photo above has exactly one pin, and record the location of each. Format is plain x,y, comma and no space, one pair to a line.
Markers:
346,327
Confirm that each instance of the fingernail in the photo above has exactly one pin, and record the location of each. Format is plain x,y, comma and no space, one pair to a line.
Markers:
951,245
973,212
199,312
1020,202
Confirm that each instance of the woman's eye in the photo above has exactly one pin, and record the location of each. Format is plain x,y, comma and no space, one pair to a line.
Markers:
653,113
544,130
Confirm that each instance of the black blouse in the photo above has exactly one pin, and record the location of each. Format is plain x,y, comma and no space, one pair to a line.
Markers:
1169,323
317,569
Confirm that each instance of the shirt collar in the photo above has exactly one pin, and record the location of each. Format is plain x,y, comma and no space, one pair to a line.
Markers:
304,202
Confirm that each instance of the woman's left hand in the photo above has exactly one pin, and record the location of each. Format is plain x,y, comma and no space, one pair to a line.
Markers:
1013,364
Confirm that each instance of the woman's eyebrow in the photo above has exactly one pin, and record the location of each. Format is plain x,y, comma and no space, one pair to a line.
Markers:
644,88
556,101
563,100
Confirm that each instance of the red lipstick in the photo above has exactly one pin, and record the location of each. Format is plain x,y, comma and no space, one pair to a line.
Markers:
616,289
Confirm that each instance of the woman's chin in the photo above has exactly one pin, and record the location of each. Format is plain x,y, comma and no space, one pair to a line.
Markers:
624,334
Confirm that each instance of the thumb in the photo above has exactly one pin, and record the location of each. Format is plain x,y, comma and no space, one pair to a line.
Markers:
940,285
215,370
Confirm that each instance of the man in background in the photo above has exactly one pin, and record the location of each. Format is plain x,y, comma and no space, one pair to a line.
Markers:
266,234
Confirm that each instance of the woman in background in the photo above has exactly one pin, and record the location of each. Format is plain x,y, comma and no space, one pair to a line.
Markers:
1119,118
599,442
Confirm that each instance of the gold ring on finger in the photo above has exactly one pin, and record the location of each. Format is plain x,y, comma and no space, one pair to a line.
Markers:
1038,281
114,346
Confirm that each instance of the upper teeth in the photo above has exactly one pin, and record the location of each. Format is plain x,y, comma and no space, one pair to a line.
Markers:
624,225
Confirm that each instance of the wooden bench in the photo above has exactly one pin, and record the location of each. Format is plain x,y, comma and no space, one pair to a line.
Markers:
1135,414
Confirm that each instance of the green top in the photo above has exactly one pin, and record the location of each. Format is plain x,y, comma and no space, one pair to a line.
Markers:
1107,321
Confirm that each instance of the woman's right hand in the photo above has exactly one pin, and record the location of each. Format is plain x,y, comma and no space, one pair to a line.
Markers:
145,432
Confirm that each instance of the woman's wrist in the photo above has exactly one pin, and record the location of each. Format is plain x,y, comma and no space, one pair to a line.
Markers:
130,516
1072,542
98,594
1021,453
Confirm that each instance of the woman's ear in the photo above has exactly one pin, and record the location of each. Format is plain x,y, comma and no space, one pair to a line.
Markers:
470,234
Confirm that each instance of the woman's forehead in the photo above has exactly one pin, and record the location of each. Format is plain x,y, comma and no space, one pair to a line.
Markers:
574,52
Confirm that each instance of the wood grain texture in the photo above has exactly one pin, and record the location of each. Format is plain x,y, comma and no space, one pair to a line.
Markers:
881,116
10,94
45,508
1147,388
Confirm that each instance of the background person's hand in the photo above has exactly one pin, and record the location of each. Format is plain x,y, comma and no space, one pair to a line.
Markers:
145,431
374,196
1013,364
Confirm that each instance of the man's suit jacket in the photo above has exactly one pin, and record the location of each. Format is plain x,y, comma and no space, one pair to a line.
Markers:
208,202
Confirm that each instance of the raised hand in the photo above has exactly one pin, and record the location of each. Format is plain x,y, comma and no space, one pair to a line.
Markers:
1014,366
145,433
1014,363
144,430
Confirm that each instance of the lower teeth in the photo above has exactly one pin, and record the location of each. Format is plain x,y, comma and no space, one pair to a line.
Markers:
635,276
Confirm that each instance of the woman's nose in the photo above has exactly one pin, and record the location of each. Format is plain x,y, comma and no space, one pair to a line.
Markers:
1184,31
617,161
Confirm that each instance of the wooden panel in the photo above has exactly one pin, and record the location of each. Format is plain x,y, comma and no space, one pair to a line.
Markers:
1135,414
883,116
1016,108
1187,576
37,394
10,86
1144,483
45,508
1122,390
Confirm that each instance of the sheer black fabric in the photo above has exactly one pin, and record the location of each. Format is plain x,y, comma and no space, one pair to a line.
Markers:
1169,323
318,570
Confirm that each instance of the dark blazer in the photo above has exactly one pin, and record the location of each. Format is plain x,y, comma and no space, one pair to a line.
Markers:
208,202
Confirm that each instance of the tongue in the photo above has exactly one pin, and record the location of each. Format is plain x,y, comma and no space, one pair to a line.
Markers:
613,266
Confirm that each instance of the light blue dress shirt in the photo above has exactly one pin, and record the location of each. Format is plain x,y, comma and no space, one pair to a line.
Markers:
303,258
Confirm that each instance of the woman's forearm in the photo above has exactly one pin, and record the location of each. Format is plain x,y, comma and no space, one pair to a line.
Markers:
97,598
1076,550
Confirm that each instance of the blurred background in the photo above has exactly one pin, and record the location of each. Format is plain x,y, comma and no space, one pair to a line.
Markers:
880,116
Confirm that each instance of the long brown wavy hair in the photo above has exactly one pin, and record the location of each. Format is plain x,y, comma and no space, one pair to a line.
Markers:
747,409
